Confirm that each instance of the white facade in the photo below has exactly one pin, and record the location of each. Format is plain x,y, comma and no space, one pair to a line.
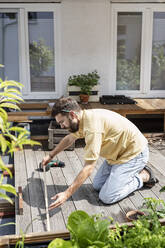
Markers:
85,38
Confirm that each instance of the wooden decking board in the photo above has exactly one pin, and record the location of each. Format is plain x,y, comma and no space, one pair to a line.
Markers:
115,211
83,198
56,217
137,199
37,202
157,159
59,181
86,198
21,180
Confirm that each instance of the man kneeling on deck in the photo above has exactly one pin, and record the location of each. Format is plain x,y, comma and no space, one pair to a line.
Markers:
111,136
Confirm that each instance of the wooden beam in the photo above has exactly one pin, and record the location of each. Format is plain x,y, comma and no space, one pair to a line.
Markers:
36,237
39,137
20,200
18,118
33,105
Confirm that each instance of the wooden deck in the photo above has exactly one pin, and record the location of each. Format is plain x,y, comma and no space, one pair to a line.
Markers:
28,176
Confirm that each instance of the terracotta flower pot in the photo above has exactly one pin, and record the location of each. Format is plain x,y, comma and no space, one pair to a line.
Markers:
134,215
84,98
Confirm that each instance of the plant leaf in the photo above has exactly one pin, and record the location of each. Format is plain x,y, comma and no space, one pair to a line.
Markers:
5,197
3,143
8,188
11,83
60,243
9,105
7,224
162,189
12,96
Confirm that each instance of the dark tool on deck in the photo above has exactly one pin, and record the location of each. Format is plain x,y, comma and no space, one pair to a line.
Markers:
52,163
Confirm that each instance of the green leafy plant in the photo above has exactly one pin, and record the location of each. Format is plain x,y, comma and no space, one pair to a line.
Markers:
41,57
10,96
154,208
94,232
85,81
86,232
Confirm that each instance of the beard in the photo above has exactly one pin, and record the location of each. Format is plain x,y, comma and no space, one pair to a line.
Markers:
73,127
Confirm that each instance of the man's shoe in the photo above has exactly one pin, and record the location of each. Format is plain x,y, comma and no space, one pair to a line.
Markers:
152,180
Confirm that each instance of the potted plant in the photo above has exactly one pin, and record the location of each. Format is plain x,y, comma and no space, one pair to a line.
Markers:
85,84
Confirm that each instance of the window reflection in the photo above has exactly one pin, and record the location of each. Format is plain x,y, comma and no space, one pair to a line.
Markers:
9,46
128,50
41,51
158,52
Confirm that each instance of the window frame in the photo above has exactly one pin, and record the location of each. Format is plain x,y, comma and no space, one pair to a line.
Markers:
147,11
24,69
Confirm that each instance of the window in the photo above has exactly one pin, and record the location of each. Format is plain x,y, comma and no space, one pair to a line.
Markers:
29,48
9,53
138,50
158,52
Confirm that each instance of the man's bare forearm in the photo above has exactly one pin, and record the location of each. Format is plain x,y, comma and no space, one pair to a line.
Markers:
64,143
80,179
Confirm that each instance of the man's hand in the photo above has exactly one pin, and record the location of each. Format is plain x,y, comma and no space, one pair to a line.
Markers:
60,198
46,160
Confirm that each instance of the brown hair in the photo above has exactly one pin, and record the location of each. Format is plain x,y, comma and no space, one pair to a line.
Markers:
64,105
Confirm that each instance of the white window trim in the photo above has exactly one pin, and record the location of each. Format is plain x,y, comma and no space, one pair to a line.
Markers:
24,73
146,49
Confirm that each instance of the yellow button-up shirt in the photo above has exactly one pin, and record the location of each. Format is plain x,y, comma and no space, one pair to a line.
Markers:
109,135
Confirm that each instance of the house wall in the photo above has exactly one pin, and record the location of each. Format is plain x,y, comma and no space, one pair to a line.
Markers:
85,39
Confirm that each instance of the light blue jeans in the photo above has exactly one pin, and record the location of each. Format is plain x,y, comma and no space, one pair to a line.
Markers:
115,182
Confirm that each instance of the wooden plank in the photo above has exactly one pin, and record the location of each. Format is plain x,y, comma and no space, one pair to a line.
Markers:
33,105
18,118
56,218
157,160
39,137
36,193
7,206
21,180
109,210
83,197
60,185
29,113
137,199
113,210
